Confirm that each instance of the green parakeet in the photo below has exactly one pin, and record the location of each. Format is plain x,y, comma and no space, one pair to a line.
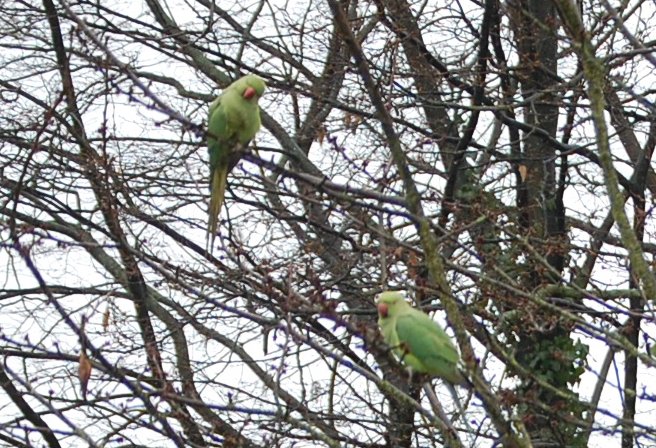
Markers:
234,119
416,339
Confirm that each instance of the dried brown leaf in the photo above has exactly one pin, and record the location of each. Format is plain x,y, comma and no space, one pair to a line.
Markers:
84,372
523,172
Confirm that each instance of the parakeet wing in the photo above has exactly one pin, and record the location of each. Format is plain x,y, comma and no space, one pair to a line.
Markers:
426,341
219,148
220,127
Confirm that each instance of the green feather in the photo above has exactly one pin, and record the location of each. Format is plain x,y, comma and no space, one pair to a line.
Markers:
233,121
416,339
420,342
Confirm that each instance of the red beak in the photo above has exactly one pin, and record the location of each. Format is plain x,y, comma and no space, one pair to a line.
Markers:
382,309
249,93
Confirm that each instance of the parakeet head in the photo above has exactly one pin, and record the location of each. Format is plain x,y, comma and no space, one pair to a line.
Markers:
389,302
250,87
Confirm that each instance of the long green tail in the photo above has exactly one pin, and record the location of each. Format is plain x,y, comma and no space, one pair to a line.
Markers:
217,193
